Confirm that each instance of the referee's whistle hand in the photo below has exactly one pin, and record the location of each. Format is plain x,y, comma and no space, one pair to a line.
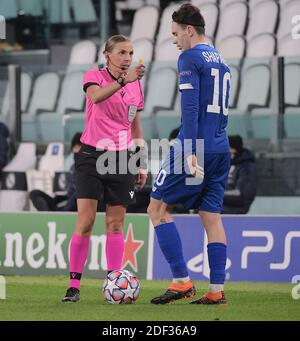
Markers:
141,178
136,73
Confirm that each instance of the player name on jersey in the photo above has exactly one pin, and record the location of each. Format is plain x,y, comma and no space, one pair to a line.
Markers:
212,57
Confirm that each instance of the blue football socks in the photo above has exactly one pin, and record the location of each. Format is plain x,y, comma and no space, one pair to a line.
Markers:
217,262
170,244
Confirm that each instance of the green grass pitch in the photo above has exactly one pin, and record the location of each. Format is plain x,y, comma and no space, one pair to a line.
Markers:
39,298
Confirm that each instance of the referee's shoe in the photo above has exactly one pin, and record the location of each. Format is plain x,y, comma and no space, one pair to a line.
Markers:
176,291
72,295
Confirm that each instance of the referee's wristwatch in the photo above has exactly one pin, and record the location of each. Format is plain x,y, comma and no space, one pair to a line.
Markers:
121,81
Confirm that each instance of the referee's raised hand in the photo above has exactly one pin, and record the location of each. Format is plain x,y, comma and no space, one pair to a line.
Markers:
134,74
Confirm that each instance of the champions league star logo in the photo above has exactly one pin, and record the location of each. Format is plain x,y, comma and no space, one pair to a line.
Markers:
132,246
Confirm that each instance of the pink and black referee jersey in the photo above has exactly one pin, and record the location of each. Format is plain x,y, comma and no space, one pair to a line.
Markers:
111,119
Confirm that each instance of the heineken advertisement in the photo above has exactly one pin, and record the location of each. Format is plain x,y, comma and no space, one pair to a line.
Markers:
38,244
260,248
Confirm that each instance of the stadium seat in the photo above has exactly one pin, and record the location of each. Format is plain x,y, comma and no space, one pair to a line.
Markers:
41,100
292,124
253,3
39,180
292,100
258,14
144,23
254,92
53,159
224,3
164,31
232,48
82,53
292,84
166,51
59,12
9,9
74,122
161,93
262,45
166,121
101,59
26,83
71,99
287,46
227,26
143,48
210,12
13,195
283,3
275,206
263,123
31,7
50,163
289,10
84,12
203,2
152,3
234,86
129,4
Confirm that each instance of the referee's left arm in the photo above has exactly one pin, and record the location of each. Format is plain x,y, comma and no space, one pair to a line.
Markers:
137,131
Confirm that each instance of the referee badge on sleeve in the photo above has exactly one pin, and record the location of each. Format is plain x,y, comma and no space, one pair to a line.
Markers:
132,112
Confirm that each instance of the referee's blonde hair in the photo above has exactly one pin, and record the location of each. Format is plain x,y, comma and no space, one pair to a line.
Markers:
113,40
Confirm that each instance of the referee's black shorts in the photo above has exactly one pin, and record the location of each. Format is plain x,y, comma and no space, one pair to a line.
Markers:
118,189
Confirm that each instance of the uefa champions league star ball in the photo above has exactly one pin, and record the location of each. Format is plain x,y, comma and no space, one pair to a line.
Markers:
121,287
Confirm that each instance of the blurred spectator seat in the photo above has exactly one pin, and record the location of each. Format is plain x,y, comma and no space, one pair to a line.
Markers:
50,163
258,14
26,83
71,99
13,194
41,100
227,25
83,52
144,23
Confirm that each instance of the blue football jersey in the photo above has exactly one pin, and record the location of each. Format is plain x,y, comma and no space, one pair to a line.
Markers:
204,82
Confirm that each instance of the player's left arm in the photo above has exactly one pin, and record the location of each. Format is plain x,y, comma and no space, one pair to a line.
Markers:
138,137
189,85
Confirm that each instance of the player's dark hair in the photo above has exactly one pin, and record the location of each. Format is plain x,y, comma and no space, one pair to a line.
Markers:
110,43
236,142
76,140
188,14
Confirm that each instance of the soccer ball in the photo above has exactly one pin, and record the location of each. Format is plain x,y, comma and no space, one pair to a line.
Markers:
121,287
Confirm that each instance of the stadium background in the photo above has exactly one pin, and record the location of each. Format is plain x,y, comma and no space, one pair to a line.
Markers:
50,44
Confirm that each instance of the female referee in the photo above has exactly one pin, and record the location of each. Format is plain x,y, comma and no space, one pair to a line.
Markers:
114,99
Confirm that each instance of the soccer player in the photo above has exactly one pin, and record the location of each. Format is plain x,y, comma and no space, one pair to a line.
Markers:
204,82
114,99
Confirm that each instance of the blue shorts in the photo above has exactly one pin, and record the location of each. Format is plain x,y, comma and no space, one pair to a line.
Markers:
207,196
